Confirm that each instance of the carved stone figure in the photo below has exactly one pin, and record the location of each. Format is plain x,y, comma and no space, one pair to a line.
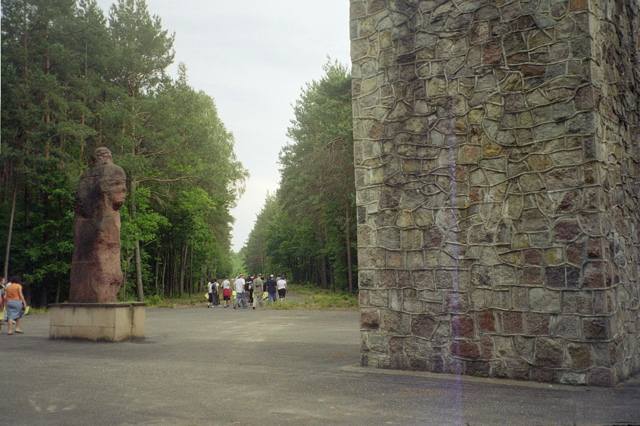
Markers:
96,272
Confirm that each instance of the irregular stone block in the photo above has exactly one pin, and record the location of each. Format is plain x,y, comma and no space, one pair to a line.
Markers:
423,325
543,300
510,322
595,328
395,322
536,324
569,327
580,356
486,321
369,319
464,349
548,352
573,378
463,327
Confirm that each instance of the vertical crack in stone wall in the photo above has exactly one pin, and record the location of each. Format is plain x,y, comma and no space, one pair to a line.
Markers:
497,171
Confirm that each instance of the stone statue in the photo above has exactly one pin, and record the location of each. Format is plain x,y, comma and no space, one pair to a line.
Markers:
96,272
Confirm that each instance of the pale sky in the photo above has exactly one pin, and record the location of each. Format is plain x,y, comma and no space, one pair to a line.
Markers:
253,57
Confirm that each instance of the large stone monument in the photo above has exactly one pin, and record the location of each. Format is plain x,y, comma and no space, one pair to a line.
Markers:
497,156
96,274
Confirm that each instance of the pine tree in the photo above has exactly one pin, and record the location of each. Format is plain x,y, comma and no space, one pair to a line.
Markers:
310,232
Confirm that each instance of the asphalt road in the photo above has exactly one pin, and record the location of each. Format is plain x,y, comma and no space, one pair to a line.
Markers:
202,366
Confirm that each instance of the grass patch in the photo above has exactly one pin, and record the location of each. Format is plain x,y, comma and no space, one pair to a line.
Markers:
309,297
300,297
36,311
309,305
196,299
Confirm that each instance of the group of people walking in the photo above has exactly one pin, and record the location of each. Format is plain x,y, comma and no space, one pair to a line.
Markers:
248,292
12,304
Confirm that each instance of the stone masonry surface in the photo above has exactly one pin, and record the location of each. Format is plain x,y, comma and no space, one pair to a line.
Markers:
497,154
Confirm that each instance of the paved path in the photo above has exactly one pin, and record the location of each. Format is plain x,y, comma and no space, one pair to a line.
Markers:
202,366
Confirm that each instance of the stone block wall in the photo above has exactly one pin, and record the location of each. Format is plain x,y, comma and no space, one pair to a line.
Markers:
498,186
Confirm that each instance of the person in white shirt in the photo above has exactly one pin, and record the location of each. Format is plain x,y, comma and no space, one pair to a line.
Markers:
226,292
210,300
282,288
240,295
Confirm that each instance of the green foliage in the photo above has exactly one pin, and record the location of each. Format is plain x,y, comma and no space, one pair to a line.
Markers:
72,81
142,49
307,228
158,302
238,265
254,252
147,223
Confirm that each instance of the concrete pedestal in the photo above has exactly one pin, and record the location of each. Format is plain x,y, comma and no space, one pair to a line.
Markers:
109,322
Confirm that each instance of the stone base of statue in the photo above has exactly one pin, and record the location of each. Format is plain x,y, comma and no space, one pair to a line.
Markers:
107,322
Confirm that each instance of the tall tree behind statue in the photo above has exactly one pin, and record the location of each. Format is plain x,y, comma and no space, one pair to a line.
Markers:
308,229
70,83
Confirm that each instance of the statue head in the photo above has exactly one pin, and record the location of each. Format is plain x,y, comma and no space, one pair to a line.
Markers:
101,155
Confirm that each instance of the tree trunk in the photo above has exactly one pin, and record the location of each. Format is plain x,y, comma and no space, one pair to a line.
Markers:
168,275
175,278
183,262
323,261
139,285
125,272
190,251
58,286
138,262
10,232
156,275
163,281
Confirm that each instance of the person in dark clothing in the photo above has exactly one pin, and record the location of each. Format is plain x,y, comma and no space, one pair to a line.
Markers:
248,289
272,288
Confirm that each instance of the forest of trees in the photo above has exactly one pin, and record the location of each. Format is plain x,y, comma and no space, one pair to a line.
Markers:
74,80
307,230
